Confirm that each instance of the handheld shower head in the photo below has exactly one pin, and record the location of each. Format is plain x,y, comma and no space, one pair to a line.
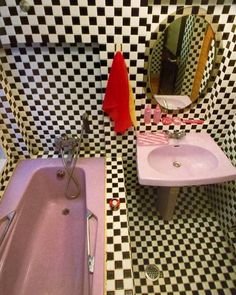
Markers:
86,123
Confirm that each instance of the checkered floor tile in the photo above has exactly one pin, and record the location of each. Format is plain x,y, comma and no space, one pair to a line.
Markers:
190,250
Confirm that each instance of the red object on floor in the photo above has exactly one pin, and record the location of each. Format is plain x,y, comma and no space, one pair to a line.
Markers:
116,100
114,204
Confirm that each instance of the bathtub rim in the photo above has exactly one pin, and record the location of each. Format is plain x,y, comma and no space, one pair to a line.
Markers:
11,198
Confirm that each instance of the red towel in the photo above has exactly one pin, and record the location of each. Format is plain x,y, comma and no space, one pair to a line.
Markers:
116,101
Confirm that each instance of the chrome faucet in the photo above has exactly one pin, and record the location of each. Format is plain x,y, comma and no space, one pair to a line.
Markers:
69,144
175,134
69,149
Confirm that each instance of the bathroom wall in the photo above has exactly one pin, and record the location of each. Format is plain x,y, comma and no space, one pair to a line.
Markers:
55,61
223,196
218,106
56,83
196,34
195,29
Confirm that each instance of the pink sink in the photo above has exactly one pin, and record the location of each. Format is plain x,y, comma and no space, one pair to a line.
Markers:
195,159
177,160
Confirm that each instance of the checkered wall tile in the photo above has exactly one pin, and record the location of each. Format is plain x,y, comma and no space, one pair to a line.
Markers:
57,84
11,141
229,142
195,29
12,125
223,196
208,67
55,21
185,49
156,56
197,37
6,174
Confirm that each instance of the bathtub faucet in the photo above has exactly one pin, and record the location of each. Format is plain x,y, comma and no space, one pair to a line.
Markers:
85,124
68,144
69,148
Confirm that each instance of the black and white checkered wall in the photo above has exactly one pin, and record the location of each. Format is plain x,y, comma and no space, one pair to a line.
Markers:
56,85
156,56
55,62
208,67
219,104
185,49
193,37
198,30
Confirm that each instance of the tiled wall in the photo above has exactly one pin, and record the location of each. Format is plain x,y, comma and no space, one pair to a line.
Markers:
219,104
54,85
55,62
195,31
223,196
193,36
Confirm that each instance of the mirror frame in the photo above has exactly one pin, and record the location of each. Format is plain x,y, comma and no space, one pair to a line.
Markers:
155,35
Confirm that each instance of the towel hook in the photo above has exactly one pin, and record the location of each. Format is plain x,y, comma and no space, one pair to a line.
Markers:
118,46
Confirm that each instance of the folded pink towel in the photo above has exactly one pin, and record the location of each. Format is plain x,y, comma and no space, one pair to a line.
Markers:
150,138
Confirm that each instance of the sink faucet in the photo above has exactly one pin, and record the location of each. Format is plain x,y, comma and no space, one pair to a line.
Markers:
175,134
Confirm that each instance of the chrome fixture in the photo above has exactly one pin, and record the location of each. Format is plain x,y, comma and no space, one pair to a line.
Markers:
91,259
67,145
8,219
69,148
175,134
153,273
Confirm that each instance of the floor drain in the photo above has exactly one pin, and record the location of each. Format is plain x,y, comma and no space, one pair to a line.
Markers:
152,272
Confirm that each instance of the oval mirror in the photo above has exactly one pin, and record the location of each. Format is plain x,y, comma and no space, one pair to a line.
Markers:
181,62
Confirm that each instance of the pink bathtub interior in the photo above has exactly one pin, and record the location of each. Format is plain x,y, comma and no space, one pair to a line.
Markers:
45,248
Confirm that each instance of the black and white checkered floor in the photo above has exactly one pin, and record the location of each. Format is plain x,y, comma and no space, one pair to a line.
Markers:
190,250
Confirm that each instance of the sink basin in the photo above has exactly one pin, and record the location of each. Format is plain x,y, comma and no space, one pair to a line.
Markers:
177,160
195,159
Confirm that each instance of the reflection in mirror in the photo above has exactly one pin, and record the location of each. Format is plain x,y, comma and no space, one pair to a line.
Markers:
173,102
181,62
3,159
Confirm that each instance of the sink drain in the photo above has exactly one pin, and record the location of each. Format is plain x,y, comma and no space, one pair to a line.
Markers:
177,164
152,272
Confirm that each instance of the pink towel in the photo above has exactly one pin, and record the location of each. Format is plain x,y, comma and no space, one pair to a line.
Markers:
149,138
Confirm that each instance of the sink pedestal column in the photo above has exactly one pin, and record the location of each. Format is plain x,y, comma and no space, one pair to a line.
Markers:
166,200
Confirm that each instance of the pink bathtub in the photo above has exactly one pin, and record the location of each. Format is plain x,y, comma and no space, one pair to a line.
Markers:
44,245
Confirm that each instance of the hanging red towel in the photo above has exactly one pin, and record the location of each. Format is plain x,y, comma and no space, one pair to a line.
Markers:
116,100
